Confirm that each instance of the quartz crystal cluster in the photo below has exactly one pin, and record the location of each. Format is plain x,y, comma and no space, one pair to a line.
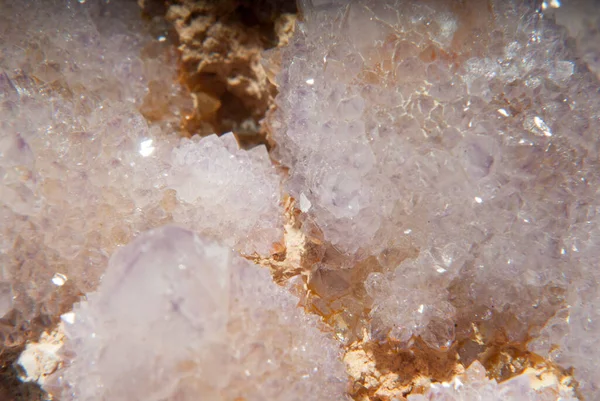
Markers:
177,317
70,79
457,144
439,166
230,193
83,172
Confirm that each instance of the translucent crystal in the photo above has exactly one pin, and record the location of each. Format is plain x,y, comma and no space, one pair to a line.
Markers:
474,161
227,191
443,157
83,171
177,316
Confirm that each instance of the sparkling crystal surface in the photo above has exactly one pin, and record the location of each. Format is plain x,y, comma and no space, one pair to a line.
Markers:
461,140
442,165
83,171
229,192
177,316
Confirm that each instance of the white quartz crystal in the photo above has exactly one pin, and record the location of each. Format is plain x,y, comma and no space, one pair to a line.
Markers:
229,192
463,140
450,148
178,317
82,170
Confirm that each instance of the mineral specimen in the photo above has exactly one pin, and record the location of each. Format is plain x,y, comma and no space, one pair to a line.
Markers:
231,193
434,199
177,316
457,143
83,171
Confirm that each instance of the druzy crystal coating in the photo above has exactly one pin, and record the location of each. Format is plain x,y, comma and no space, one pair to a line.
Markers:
436,162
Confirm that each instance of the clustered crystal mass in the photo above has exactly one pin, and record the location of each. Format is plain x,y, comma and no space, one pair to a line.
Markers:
442,158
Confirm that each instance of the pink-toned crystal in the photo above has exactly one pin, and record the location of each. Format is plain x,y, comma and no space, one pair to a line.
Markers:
177,317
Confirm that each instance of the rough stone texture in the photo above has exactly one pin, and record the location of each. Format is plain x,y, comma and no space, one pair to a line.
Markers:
387,371
40,359
473,384
456,144
11,387
177,316
221,44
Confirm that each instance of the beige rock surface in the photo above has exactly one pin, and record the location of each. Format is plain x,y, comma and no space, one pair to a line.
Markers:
221,44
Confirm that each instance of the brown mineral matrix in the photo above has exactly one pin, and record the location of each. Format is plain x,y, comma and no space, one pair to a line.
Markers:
220,44
384,369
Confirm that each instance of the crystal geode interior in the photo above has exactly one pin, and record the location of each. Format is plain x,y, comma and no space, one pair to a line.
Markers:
222,329
424,224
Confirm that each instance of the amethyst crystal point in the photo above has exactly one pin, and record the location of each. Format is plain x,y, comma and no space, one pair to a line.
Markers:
177,316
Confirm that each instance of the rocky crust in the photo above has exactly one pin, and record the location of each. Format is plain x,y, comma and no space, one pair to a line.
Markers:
221,44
